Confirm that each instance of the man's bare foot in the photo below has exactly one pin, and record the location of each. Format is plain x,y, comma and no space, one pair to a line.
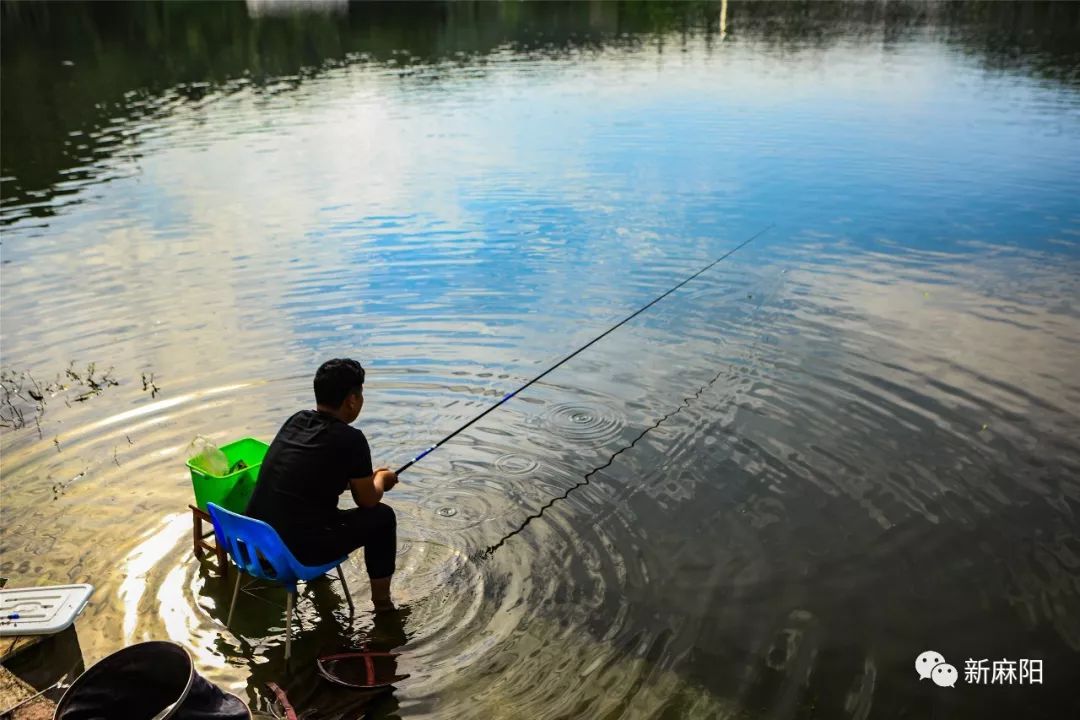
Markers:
380,595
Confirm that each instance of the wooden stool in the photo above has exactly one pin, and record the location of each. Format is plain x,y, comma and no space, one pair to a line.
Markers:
14,693
199,538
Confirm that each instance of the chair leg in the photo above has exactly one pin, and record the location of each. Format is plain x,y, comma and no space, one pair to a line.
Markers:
235,592
345,587
288,624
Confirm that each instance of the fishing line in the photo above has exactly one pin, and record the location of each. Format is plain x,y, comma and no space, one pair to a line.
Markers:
486,553
686,402
585,479
584,347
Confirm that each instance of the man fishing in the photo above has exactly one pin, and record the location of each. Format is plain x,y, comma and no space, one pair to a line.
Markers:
314,457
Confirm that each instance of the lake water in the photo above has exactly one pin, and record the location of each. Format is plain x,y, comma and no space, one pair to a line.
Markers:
866,422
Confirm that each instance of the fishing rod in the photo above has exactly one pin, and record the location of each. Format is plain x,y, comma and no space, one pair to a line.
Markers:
584,347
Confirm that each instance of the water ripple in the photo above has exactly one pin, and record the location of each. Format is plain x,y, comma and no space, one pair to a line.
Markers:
584,422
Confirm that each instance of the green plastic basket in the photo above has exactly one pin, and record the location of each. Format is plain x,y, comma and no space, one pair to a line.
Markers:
231,491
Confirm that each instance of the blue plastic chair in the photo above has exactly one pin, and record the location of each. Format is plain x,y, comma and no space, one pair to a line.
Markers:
257,550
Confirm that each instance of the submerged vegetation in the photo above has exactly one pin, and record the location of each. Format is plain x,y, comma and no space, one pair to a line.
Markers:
25,398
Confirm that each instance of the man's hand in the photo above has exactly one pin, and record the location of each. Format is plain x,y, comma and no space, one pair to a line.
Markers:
385,479
368,491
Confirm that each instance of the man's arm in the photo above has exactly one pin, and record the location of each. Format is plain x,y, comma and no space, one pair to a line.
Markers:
368,491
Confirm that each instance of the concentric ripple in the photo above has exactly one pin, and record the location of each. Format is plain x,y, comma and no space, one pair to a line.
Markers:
584,421
515,464
460,504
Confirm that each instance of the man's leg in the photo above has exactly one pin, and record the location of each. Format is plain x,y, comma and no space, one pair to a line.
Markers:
380,594
375,529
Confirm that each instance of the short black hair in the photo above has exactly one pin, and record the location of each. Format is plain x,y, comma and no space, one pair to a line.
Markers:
335,379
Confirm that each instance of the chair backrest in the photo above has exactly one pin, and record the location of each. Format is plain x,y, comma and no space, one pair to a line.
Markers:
253,544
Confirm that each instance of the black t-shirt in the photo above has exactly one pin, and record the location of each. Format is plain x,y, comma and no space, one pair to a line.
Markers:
309,464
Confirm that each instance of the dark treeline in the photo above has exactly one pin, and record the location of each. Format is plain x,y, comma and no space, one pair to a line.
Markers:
74,67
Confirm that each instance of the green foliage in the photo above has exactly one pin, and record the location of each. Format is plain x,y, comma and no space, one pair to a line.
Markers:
79,67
